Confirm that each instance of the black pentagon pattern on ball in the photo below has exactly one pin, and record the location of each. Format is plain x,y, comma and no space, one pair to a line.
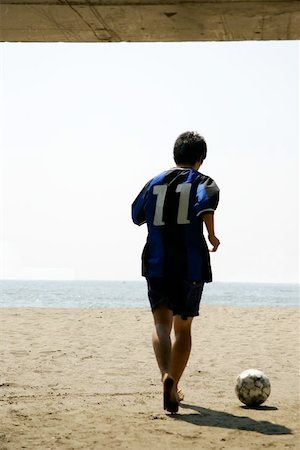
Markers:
252,387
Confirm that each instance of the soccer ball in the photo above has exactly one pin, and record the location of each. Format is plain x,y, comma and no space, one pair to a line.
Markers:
252,387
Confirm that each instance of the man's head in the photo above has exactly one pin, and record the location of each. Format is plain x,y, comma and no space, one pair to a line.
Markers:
189,149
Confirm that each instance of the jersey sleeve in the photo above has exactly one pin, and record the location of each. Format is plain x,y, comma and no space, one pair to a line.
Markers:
137,208
207,196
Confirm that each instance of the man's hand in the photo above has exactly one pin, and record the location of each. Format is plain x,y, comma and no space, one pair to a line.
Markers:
208,219
214,242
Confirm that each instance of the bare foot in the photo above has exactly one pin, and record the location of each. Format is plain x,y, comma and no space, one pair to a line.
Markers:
180,395
170,394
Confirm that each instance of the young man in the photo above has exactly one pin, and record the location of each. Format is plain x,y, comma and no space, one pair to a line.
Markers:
175,260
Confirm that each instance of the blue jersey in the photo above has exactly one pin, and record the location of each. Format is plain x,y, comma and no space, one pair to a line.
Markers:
171,204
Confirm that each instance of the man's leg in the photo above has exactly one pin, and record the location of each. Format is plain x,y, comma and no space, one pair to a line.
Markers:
163,321
181,347
161,341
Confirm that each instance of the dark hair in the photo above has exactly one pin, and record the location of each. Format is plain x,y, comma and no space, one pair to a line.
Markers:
189,148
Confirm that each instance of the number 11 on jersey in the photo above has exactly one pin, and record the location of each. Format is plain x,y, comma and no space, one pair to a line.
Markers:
184,190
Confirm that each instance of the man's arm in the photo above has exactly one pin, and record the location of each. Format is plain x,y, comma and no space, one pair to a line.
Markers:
137,208
208,219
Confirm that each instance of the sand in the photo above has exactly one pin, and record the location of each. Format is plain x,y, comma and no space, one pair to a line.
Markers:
87,379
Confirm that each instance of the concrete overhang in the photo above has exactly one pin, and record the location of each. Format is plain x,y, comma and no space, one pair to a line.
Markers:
148,21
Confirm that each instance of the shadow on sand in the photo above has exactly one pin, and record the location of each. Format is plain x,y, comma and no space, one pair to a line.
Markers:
213,418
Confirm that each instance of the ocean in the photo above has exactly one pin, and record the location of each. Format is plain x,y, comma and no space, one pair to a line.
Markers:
133,294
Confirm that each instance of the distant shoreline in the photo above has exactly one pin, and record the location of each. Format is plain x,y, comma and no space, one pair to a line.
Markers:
142,280
133,294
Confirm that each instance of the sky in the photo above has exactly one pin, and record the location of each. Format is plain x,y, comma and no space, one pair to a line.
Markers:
85,126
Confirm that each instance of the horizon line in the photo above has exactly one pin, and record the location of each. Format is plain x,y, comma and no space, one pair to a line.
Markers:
142,280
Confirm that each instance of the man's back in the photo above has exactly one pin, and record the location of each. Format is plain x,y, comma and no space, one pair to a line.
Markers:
171,204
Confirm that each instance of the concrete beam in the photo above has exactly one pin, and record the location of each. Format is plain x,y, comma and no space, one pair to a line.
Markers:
148,21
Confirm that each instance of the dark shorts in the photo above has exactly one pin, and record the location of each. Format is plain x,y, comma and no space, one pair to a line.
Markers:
181,296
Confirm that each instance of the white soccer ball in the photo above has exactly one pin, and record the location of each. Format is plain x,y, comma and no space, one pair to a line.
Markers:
252,387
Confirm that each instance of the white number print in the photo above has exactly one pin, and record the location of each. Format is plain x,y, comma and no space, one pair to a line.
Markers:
160,191
184,190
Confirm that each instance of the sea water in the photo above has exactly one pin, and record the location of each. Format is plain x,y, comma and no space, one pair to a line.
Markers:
133,294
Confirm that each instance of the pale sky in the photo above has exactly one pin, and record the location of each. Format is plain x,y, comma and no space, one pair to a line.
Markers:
85,126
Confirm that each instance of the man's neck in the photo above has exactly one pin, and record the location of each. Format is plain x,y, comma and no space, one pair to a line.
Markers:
189,166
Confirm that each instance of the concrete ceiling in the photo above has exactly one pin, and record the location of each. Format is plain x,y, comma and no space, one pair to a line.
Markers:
148,21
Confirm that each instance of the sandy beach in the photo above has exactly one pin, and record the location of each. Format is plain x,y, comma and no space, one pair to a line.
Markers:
88,379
